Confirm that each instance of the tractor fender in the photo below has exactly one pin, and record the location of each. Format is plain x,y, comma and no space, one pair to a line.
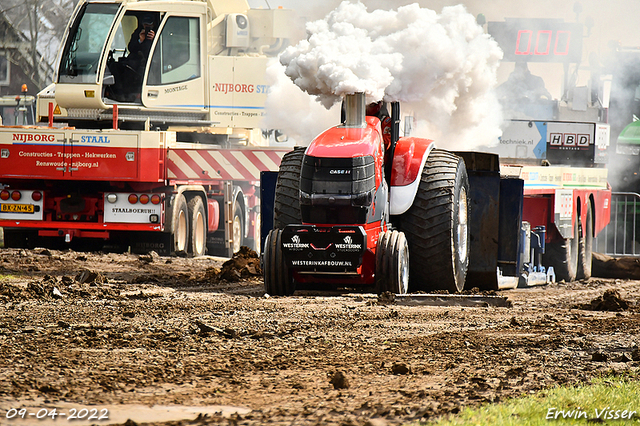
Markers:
409,157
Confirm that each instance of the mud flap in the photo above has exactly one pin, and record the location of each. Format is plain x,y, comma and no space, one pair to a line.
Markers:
495,217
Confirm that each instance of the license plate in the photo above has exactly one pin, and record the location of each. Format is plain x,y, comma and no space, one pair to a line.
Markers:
16,208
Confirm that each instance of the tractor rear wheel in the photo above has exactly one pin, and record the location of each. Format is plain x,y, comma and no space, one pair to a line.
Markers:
585,251
277,281
392,263
436,225
287,201
563,256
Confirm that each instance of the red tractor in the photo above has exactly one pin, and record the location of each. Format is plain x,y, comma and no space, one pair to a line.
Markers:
348,210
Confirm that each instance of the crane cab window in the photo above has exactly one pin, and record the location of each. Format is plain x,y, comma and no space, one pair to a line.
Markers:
176,57
81,55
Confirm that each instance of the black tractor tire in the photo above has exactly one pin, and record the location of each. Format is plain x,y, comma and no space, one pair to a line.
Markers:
585,250
392,263
286,208
277,281
180,226
563,257
198,226
436,225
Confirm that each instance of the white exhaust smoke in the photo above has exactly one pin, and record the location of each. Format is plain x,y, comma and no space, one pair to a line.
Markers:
442,67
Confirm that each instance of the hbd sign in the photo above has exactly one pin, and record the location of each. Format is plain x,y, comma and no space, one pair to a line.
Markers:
570,140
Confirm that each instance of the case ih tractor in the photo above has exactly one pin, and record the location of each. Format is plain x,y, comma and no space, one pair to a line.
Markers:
348,212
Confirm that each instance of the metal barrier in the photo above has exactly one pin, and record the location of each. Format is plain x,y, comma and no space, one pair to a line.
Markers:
620,237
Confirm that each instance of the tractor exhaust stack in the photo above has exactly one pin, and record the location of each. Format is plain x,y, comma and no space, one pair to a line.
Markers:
355,110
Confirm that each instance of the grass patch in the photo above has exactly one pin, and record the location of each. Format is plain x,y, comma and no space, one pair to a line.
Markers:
7,277
610,396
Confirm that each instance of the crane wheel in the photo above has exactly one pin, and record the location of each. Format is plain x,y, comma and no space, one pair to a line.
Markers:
180,225
436,225
392,263
198,221
277,281
287,202
237,228
585,250
563,256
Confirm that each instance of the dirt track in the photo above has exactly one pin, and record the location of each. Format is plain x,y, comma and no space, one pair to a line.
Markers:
161,331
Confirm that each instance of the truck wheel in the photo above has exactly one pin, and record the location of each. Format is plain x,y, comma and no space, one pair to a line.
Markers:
563,256
276,275
585,252
237,228
286,209
392,263
436,225
180,225
19,238
198,240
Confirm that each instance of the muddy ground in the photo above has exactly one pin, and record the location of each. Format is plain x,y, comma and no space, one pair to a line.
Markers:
157,340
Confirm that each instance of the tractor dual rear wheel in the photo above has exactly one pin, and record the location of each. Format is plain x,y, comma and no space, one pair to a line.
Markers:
436,225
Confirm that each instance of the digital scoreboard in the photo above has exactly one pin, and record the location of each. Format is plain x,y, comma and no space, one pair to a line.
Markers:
538,40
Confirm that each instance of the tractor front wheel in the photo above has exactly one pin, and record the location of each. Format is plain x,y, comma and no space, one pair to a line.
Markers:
392,263
277,281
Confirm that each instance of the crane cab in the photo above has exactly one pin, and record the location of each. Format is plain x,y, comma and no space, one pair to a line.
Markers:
104,62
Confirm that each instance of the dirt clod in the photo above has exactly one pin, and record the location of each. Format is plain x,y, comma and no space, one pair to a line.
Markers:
609,301
244,264
599,357
339,380
400,368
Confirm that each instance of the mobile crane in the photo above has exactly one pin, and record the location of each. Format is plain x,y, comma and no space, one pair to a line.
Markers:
158,153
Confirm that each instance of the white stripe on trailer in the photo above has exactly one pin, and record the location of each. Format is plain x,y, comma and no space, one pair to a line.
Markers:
226,165
262,156
184,167
197,158
251,168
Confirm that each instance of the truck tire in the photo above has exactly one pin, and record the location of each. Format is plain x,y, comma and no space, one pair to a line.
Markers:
180,225
277,281
286,209
237,228
19,238
563,256
436,225
198,221
392,263
585,250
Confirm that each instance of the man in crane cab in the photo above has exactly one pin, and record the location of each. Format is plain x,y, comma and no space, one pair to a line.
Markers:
129,71
141,39
379,109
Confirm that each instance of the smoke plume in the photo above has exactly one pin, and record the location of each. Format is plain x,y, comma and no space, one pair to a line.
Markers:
441,67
